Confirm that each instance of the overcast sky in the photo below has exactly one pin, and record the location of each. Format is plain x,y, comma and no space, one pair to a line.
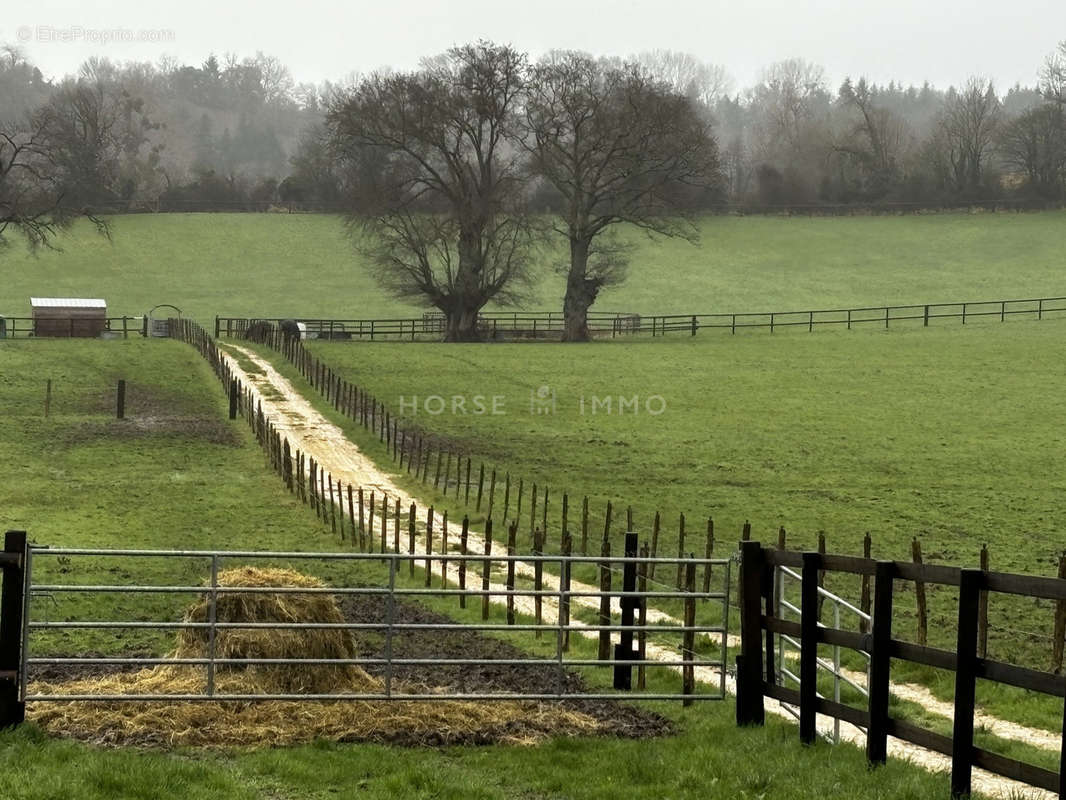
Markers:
943,41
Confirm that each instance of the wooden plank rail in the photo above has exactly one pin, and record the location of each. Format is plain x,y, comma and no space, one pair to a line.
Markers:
757,572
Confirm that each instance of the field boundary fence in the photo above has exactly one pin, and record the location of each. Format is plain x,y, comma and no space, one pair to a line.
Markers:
763,627
897,207
114,327
538,325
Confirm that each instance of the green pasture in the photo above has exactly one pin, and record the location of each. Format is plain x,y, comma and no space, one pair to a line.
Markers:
178,474
948,434
305,265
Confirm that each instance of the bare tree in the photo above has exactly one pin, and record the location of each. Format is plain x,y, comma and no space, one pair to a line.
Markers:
35,201
685,74
968,129
98,135
446,223
1035,144
1053,76
875,141
619,147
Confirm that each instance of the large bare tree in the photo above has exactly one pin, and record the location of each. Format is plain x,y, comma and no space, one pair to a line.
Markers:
37,193
618,147
1035,144
874,139
1053,76
446,223
967,134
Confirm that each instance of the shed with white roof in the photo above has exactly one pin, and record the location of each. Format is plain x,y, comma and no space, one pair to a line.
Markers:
69,316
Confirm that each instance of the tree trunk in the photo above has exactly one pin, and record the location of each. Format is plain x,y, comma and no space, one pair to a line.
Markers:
461,325
580,294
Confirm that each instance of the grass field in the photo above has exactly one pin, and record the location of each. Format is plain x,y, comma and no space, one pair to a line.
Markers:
946,434
177,474
950,434
303,265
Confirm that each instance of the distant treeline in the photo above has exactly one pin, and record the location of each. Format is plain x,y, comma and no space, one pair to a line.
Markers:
243,133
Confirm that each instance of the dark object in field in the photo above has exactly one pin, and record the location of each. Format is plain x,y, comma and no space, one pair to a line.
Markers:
290,329
259,331
335,335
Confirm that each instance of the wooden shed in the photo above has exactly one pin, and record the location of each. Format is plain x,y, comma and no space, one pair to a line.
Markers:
68,316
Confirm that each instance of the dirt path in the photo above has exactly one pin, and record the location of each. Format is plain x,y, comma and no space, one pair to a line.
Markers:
320,439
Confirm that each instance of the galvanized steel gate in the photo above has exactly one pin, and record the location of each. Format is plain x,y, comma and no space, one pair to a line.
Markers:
563,602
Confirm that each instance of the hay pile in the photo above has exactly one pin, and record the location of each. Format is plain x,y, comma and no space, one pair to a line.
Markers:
235,723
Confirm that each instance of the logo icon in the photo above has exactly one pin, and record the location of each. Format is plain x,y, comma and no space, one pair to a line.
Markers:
542,400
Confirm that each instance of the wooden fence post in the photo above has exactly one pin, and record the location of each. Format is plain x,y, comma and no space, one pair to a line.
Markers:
970,584
642,636
688,640
411,540
623,651
1060,625
429,546
544,514
982,610
864,597
480,485
362,519
880,661
512,535
821,574
492,495
486,566
462,564
708,553
12,707
654,545
750,708
384,522
809,613
444,549
585,526
538,580
919,595
680,552
605,600
532,511
121,400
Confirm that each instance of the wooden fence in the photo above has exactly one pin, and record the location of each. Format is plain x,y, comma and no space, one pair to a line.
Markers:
756,678
15,327
549,324
431,326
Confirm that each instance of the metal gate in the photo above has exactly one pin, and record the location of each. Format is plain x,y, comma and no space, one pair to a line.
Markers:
542,594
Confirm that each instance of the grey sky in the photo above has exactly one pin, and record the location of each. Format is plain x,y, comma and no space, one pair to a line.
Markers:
944,41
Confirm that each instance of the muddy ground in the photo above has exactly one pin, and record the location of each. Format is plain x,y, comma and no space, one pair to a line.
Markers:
617,718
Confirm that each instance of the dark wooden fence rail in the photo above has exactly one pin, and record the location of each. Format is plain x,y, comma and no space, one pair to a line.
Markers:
549,324
14,327
756,678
